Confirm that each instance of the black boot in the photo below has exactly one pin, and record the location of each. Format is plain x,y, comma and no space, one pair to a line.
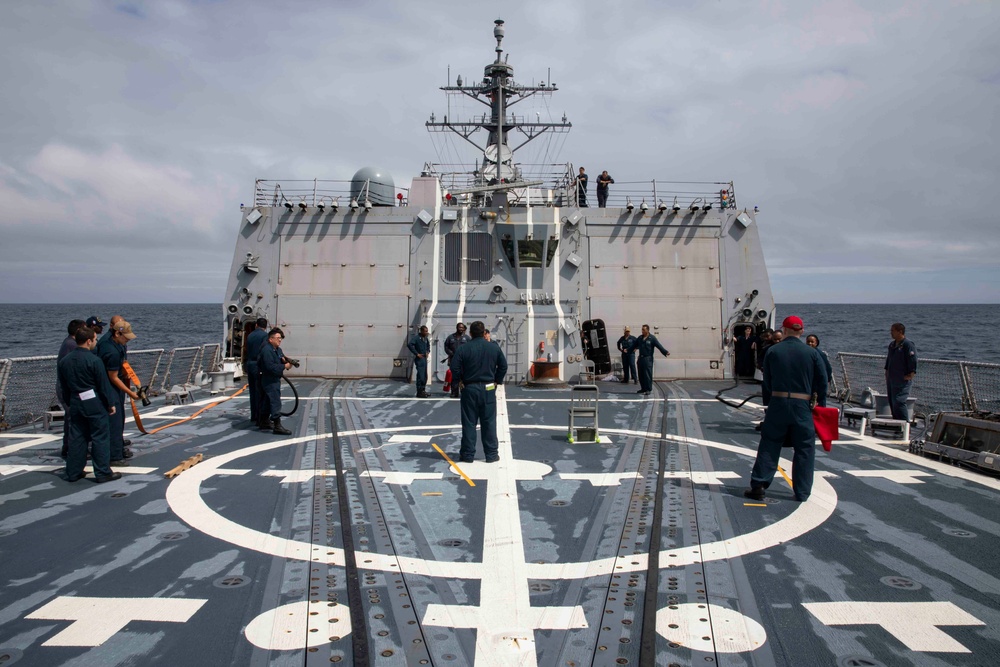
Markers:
265,424
279,429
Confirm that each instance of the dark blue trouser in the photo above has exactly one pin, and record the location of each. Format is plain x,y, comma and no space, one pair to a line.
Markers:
116,425
788,421
628,367
420,364
646,373
84,429
898,393
253,388
271,390
480,405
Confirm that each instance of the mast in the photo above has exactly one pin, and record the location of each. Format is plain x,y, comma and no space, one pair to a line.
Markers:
499,92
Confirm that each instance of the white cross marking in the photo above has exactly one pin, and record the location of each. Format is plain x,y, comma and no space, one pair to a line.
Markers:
898,476
395,477
298,476
96,620
912,623
505,621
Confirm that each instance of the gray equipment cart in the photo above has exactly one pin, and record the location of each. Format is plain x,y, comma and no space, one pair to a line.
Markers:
583,413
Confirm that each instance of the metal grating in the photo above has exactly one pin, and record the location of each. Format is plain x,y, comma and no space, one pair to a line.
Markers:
478,256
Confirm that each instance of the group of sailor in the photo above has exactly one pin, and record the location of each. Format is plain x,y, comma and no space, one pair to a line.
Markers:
93,379
645,345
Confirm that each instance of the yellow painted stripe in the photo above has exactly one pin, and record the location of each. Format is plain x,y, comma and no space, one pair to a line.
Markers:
787,479
754,504
453,464
431,493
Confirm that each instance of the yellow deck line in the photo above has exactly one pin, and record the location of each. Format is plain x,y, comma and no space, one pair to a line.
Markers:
453,464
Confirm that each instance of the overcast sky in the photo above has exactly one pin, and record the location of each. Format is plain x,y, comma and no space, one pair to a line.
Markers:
131,131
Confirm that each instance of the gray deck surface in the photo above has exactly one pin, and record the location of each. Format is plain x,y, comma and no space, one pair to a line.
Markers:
546,560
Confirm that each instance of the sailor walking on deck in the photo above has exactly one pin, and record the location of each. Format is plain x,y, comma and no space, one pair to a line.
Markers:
273,364
646,344
84,387
793,374
259,408
625,344
480,365
420,347
68,345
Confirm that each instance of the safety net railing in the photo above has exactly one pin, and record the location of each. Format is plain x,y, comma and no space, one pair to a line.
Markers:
939,385
182,365
28,384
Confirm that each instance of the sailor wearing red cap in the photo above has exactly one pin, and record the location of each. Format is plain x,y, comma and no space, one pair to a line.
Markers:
793,374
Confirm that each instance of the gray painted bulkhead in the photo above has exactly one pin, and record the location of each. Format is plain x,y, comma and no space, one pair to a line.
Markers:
350,287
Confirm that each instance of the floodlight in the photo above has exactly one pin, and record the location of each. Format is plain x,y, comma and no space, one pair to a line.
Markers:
253,216
662,207
629,205
676,207
368,204
354,204
643,206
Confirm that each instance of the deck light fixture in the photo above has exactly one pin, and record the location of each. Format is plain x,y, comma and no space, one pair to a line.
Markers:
288,205
643,206
302,204
354,204
368,204
321,205
707,206
629,205
662,207
676,206
694,205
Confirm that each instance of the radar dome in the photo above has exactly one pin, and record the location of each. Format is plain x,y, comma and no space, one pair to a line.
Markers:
374,185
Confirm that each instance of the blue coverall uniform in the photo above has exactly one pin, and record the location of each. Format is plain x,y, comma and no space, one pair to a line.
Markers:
271,369
625,344
113,354
646,346
790,366
480,365
420,345
255,343
85,388
900,361
451,345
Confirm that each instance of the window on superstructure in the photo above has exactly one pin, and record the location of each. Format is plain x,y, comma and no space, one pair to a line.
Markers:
478,257
529,254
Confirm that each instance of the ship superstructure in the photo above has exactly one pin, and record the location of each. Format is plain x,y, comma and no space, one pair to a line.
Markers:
350,269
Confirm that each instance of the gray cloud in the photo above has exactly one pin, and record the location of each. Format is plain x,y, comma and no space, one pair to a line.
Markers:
867,134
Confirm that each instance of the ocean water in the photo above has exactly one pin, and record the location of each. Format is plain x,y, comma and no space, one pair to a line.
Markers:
966,332
39,329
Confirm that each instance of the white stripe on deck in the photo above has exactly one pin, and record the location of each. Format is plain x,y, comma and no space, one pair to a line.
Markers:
96,620
505,620
912,623
27,440
897,476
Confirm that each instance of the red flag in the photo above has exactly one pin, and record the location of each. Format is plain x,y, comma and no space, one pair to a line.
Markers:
827,423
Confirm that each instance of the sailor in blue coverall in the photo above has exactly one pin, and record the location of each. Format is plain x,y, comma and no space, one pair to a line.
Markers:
900,367
259,408
625,344
480,365
793,373
420,346
272,365
646,344
85,388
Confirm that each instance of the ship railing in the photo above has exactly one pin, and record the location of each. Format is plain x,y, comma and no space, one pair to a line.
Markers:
314,192
28,384
464,176
666,194
939,385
